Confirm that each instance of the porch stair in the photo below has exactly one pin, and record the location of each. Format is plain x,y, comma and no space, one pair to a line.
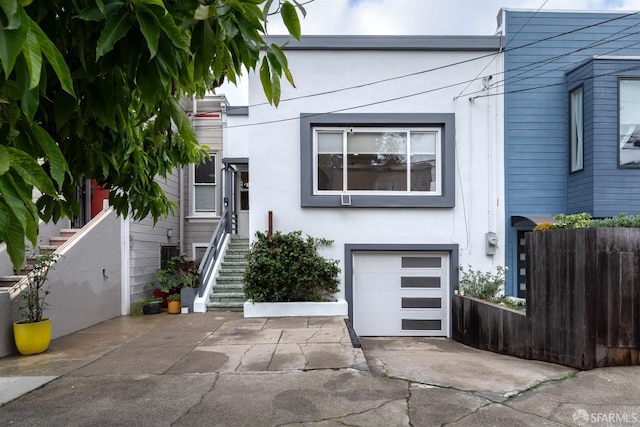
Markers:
56,241
227,293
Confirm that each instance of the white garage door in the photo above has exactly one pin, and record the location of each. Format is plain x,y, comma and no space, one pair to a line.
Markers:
401,293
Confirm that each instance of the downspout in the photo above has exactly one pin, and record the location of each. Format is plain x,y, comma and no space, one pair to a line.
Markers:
181,219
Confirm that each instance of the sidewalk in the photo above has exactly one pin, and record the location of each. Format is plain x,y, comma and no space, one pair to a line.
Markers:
222,369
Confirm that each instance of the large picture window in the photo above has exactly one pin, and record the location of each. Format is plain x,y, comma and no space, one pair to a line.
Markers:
385,161
377,160
576,134
629,125
204,186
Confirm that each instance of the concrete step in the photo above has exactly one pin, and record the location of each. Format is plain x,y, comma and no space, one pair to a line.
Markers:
227,296
47,249
230,279
231,272
228,287
9,281
68,232
225,306
57,240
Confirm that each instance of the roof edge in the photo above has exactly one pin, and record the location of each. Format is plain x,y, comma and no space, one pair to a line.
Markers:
400,43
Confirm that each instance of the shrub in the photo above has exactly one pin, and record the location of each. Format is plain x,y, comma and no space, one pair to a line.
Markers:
623,221
484,285
544,226
581,220
287,267
179,273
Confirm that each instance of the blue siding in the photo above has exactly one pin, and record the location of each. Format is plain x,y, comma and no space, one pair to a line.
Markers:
537,180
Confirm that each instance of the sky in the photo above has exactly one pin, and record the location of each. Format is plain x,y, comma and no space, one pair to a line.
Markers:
415,17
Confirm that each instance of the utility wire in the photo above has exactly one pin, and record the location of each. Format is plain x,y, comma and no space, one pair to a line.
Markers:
604,41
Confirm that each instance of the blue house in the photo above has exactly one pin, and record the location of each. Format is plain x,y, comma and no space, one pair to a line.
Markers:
572,120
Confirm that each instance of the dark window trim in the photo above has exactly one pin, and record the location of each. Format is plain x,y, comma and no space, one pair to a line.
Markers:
580,86
620,78
444,120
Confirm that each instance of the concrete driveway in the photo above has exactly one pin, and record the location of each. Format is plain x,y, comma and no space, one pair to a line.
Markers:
219,369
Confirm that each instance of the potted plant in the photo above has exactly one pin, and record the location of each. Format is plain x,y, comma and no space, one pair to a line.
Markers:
152,306
32,334
173,304
187,272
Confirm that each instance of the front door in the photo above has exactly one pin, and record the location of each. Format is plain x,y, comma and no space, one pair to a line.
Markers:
242,202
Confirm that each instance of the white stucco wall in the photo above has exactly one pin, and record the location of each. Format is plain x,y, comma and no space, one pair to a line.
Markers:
275,148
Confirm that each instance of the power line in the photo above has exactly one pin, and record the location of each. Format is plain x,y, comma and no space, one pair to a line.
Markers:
548,60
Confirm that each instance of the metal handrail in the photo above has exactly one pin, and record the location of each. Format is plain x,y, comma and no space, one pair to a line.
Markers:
212,253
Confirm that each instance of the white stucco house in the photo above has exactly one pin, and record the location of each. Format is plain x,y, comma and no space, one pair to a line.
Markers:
392,147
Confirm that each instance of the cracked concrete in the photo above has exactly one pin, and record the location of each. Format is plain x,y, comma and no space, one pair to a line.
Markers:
222,370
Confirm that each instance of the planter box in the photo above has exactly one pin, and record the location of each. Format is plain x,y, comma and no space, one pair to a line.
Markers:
295,309
188,296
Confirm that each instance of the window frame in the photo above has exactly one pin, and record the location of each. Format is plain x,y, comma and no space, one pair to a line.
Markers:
619,124
346,131
571,130
444,122
192,189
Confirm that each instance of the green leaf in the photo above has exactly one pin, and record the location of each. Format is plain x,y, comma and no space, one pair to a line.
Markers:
11,41
57,163
100,11
13,200
168,25
265,79
4,219
275,82
182,122
4,160
117,27
29,103
30,171
54,57
290,19
14,237
149,29
33,58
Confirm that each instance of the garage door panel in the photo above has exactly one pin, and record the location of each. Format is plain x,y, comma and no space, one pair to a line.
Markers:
401,293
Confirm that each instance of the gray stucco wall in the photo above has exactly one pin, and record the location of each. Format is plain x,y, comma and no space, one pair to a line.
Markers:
85,283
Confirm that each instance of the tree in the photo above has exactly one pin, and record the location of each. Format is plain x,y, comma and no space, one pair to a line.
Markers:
90,89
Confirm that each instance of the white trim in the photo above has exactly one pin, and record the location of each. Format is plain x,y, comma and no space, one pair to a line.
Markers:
295,309
407,130
200,303
125,267
192,196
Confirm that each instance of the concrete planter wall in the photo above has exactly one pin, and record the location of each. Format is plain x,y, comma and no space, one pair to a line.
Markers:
295,309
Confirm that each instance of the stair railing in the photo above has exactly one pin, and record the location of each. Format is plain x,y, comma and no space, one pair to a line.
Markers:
213,251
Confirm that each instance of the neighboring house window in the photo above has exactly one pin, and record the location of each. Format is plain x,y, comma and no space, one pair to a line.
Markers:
629,125
204,187
384,161
377,160
576,112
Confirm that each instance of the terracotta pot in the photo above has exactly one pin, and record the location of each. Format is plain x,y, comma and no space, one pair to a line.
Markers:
173,307
32,338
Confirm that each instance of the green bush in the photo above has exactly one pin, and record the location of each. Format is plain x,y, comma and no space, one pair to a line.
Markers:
287,267
581,220
623,221
484,285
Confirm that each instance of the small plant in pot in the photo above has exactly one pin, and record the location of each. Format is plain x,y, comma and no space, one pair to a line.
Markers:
180,276
173,304
32,334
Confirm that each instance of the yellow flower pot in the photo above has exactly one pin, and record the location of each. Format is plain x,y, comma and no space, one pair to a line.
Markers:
173,307
32,338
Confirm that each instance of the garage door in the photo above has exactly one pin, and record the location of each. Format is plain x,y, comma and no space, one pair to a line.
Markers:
401,293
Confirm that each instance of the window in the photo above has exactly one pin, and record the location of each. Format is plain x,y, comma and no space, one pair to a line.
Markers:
576,133
377,160
387,161
629,122
204,187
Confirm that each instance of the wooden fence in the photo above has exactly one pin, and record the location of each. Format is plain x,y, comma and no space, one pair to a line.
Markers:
583,302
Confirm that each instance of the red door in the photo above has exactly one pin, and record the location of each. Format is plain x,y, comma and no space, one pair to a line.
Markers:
98,195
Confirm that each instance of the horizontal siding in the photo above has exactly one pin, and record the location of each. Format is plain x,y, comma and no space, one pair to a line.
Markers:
537,181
